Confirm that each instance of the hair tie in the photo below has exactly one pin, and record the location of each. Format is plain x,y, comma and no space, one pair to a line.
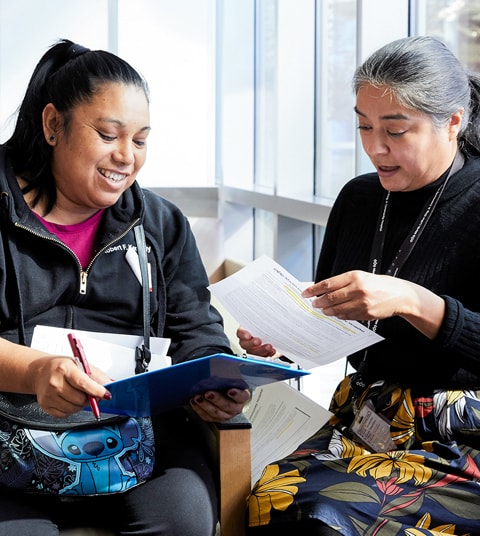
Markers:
75,50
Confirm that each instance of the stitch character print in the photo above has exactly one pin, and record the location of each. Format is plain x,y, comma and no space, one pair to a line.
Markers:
94,457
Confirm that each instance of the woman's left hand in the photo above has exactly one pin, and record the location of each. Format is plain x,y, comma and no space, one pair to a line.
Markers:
213,406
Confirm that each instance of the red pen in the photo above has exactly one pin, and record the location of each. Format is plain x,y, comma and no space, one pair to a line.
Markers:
79,353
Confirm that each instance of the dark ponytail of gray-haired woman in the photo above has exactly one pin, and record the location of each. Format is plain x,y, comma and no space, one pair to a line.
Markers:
66,75
469,138
424,75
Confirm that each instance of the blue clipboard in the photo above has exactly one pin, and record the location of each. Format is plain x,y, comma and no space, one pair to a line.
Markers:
168,388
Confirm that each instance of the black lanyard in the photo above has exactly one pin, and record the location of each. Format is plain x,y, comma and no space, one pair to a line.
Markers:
414,234
418,227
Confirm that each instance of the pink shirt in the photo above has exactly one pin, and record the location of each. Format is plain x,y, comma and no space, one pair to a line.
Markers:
79,237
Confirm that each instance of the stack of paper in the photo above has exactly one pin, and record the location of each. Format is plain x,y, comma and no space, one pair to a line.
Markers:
282,418
110,352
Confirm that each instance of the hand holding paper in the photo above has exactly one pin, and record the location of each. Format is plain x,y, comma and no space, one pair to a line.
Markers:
266,300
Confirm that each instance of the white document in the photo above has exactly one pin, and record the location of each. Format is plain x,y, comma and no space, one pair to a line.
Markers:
265,299
282,418
110,352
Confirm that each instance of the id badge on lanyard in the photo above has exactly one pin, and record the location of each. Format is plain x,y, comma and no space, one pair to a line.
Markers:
372,429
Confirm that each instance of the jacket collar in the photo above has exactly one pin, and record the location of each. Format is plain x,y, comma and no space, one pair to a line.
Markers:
130,206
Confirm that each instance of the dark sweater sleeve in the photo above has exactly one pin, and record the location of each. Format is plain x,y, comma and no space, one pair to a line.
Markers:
351,224
460,334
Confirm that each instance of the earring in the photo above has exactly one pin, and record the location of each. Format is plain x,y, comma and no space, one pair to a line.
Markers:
52,138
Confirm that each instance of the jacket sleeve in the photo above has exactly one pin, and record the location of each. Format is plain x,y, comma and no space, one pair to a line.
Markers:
186,315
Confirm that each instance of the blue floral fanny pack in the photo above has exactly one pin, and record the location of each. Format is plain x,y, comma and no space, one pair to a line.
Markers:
74,456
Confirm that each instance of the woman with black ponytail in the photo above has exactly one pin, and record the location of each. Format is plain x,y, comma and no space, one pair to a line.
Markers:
69,209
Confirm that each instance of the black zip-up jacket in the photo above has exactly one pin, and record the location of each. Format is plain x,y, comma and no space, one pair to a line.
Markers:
42,281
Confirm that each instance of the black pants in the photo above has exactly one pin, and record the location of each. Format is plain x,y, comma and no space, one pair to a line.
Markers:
180,500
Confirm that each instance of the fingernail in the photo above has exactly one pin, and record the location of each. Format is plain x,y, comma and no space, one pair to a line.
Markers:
107,395
209,396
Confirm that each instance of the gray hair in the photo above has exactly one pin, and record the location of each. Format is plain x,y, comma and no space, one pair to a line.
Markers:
424,75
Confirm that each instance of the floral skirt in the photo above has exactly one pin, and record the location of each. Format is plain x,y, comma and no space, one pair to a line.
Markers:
430,484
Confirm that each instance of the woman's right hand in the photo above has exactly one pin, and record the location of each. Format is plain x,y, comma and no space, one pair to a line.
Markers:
62,388
253,345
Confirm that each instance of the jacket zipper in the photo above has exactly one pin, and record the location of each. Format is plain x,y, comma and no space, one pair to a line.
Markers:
83,273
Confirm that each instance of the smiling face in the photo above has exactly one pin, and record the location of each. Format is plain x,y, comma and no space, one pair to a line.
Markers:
98,154
407,149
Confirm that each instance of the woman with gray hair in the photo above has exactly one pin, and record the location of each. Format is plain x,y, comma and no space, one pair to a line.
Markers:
401,253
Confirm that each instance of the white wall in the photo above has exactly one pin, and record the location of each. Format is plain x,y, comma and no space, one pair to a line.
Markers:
28,28
169,42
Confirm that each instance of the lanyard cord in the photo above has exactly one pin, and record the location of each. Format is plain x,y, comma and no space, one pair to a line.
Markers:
410,241
418,227
143,353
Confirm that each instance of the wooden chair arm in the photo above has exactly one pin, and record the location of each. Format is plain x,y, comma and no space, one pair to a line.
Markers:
234,473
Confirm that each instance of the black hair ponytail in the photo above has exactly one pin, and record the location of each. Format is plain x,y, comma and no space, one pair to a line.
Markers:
66,75
469,139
